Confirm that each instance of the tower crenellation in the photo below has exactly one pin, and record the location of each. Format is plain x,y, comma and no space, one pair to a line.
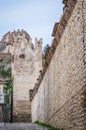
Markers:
21,36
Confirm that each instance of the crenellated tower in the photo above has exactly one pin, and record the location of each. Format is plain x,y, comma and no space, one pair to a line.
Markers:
26,64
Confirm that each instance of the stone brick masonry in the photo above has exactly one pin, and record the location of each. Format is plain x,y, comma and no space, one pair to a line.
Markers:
60,99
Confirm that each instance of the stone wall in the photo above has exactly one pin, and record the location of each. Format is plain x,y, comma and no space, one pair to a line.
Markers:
60,98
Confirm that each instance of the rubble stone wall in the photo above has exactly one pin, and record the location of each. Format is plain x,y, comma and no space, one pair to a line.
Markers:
61,97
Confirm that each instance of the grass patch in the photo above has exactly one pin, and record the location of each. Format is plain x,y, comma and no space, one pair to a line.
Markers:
47,126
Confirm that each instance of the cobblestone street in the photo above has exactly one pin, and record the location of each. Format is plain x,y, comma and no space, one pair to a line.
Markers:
21,126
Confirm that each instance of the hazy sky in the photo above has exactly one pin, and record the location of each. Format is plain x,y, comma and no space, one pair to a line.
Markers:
37,17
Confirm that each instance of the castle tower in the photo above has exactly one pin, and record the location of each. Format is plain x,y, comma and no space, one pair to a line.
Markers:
27,62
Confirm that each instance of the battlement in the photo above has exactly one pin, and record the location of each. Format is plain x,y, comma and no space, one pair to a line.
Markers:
10,37
19,36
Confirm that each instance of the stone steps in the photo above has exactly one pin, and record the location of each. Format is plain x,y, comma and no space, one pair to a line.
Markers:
21,126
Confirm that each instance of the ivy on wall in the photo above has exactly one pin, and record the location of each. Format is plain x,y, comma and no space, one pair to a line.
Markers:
6,75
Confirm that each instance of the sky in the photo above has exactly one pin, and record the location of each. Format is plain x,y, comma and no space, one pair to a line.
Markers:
37,17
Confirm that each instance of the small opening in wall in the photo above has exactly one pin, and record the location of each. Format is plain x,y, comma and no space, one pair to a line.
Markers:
22,56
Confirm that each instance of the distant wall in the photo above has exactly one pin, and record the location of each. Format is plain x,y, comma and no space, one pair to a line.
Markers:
61,96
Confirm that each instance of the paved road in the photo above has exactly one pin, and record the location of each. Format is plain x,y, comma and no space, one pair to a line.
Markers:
21,126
